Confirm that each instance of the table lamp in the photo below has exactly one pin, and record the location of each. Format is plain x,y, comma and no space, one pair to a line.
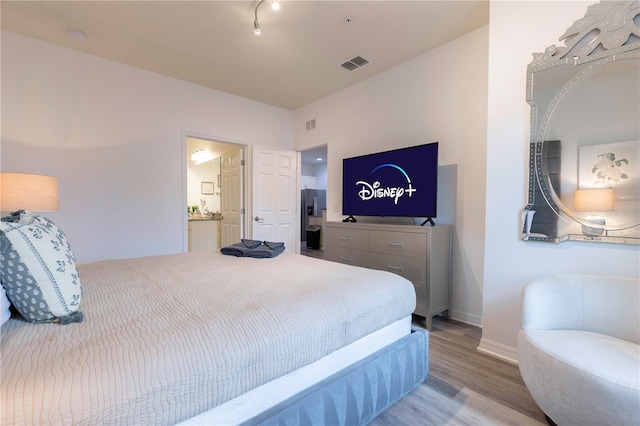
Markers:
27,192
593,200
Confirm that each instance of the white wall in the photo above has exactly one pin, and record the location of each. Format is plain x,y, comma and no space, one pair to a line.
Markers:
438,96
113,135
518,29
318,171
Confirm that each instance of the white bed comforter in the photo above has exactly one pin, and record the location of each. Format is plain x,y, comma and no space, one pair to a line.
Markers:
167,337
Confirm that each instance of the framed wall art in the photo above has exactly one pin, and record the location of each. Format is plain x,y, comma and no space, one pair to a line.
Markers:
206,188
611,165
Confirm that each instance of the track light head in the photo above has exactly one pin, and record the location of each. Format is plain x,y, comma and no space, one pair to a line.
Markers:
275,5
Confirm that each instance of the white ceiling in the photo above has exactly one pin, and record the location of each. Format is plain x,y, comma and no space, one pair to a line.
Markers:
211,43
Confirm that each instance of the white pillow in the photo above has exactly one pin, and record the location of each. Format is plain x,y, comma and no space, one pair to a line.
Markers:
5,313
39,271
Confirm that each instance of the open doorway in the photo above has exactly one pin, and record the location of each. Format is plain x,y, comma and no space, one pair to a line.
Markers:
215,195
313,200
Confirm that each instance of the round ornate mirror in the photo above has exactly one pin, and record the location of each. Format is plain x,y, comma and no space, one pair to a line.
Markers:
584,179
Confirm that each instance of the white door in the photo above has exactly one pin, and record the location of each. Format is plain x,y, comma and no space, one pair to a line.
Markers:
274,196
232,196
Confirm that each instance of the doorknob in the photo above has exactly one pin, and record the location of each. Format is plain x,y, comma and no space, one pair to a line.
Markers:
259,219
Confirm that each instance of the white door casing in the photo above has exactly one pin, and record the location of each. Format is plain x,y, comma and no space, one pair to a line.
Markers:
232,196
274,196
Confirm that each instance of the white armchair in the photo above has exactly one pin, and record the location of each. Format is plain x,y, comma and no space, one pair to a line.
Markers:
579,348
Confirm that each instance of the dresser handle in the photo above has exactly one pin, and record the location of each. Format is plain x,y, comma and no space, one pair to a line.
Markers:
346,238
346,258
394,268
395,244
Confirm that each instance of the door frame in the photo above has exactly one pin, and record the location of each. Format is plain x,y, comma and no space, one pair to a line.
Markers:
299,151
246,146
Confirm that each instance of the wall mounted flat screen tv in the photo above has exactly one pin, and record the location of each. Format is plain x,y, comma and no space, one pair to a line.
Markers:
402,182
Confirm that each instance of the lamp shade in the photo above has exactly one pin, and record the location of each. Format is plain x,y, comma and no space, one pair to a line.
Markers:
24,191
593,200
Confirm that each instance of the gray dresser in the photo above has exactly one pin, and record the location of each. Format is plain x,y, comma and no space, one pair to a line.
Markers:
422,254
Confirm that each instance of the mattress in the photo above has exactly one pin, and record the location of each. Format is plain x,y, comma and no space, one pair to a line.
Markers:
258,402
168,337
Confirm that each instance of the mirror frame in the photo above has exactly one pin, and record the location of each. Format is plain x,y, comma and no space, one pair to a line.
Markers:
606,34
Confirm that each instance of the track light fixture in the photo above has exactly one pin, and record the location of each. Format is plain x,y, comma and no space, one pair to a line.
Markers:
256,25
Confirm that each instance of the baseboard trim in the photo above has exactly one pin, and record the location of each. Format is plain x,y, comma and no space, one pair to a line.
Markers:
466,317
498,350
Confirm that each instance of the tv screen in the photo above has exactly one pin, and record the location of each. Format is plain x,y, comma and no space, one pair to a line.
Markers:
402,182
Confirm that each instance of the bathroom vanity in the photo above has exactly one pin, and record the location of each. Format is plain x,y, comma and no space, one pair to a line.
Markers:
204,234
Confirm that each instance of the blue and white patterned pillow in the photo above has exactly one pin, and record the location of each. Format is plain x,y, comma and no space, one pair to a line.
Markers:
38,270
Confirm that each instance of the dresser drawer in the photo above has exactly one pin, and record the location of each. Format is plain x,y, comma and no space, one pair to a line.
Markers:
348,238
398,243
411,268
348,256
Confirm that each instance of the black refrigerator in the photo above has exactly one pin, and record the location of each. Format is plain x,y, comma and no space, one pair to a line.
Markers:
313,201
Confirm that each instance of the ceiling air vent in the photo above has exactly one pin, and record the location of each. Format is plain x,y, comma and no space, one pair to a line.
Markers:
355,63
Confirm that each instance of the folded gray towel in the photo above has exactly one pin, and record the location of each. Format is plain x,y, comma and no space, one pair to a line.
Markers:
273,245
254,248
251,243
266,250
237,249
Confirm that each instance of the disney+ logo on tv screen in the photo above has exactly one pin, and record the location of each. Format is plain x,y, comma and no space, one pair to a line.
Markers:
401,182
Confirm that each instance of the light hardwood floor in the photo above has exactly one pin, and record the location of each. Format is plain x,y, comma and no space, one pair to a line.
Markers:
464,386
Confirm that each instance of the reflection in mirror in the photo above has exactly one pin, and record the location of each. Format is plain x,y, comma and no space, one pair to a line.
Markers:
585,133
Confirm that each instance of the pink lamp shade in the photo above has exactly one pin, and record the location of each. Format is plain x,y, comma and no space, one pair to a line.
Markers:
24,191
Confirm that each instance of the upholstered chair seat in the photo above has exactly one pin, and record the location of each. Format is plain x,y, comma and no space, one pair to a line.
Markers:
578,348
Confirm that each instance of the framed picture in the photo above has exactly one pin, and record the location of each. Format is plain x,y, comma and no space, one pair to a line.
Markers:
611,165
206,188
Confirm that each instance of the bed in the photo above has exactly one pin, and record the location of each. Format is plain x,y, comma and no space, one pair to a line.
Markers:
203,338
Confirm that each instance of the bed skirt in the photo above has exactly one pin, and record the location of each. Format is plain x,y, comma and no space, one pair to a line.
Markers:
360,392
